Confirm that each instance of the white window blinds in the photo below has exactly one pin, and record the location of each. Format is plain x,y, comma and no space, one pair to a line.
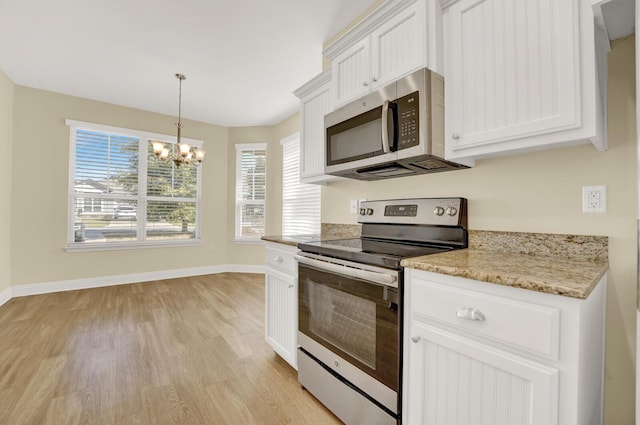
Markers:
251,190
300,202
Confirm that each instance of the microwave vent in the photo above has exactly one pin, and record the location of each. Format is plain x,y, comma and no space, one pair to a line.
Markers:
431,164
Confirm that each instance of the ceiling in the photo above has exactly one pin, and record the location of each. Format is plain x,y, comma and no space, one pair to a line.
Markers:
242,58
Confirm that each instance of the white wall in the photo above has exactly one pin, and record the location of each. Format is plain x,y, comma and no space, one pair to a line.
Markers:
6,147
541,192
40,192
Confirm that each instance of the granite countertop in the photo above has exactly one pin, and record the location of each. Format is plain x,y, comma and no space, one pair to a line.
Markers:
568,265
291,240
328,231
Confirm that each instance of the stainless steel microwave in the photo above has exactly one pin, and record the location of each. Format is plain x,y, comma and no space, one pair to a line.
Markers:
395,131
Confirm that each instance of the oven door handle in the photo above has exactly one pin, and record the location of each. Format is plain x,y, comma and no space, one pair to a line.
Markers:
370,276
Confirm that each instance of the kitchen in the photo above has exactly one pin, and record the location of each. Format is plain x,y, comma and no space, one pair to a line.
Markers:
531,192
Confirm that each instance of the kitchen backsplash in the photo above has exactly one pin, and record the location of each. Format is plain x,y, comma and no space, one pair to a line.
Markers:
339,231
567,246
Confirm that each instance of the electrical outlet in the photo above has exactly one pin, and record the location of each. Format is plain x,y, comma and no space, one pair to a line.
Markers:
354,206
594,199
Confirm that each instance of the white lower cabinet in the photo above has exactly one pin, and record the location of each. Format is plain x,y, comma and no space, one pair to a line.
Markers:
281,301
476,352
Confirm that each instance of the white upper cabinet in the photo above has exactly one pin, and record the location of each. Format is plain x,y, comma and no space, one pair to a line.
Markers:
521,75
388,45
398,47
352,71
315,102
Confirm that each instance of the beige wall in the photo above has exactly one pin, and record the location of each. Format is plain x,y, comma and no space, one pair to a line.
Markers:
40,187
253,253
541,192
6,145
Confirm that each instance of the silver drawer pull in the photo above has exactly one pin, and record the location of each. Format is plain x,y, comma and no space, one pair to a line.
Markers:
278,259
415,338
469,313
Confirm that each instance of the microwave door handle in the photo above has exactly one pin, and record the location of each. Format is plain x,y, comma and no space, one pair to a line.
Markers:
385,127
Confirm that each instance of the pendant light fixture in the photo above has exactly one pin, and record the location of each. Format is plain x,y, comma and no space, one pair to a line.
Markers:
185,153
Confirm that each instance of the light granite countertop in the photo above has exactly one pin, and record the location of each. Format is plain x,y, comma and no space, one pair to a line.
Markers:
571,277
291,240
329,231
568,265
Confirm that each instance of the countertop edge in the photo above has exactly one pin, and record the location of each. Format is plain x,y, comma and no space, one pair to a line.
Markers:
579,288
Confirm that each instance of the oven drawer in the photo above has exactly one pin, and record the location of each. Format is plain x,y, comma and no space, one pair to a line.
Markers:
529,327
282,258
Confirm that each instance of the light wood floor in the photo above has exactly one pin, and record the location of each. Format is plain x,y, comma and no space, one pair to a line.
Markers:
181,351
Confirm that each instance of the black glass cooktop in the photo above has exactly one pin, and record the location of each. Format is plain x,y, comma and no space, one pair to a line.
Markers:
370,251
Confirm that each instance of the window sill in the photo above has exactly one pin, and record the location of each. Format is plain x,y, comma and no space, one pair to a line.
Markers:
84,247
249,241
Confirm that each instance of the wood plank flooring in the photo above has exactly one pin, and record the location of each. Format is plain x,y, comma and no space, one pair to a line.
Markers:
180,351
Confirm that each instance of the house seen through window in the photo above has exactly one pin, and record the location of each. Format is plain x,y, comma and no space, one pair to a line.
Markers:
121,195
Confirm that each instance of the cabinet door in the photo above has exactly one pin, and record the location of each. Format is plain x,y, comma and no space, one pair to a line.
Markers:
281,311
312,150
399,46
351,72
454,380
512,73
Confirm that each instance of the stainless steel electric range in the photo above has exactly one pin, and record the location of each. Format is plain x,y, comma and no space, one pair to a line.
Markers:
350,304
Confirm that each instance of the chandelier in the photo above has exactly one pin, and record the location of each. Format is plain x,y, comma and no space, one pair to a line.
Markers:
185,154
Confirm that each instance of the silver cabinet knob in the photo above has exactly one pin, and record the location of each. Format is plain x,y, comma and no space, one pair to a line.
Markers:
415,338
438,211
452,211
470,313
290,286
278,259
374,79
365,84
455,136
336,363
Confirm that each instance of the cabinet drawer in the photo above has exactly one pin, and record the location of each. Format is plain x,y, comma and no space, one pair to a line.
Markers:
282,259
526,326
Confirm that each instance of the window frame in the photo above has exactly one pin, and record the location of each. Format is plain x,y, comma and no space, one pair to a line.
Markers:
141,198
240,147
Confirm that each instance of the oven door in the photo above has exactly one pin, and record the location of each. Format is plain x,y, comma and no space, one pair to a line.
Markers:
352,310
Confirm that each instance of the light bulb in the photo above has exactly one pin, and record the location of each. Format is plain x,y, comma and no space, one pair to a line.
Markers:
184,149
158,147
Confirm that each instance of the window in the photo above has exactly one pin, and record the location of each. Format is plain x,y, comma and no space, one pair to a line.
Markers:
251,190
300,201
122,196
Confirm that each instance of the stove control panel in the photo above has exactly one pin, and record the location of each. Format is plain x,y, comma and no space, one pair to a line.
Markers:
435,211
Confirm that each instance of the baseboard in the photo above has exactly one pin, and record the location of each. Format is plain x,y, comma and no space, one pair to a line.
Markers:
5,296
245,268
97,282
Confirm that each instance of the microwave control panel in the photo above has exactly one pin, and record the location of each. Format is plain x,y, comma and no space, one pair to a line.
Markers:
408,120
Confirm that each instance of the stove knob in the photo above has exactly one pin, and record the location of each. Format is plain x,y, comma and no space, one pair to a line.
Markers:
452,211
362,211
369,211
438,211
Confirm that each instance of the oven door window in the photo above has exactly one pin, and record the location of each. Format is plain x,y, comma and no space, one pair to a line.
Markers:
355,319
